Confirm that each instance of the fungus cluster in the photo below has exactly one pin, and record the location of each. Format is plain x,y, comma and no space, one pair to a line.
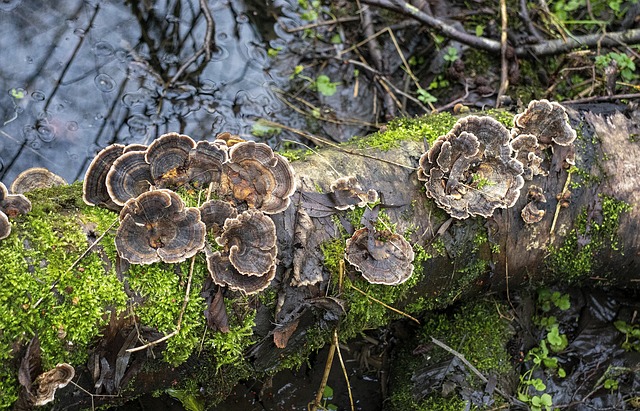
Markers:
49,381
155,224
11,205
382,257
480,165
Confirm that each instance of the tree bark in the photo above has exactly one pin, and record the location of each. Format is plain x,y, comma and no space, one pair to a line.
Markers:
469,257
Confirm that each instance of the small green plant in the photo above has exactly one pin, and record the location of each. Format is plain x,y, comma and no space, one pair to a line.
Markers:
481,182
626,66
322,83
632,335
451,54
610,384
425,96
190,399
536,402
327,395
547,298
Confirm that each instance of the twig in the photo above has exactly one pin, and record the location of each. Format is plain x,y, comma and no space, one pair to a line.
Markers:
558,207
344,369
504,65
524,14
395,310
320,140
594,99
401,6
325,377
321,23
468,364
559,46
93,395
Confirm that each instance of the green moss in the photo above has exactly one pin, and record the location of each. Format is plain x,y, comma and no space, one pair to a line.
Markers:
476,330
572,261
427,128
40,251
57,198
295,154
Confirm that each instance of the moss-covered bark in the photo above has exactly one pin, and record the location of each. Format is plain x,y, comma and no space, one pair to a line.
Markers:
98,301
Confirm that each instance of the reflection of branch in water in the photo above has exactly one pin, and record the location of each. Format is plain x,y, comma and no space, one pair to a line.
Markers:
206,46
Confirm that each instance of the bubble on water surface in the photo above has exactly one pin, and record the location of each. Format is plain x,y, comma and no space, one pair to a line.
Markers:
8,5
103,49
38,95
46,132
219,53
104,83
72,126
79,32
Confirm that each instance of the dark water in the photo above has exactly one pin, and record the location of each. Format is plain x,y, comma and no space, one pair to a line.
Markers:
76,76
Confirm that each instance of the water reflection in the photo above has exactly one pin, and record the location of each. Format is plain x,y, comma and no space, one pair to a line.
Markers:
80,75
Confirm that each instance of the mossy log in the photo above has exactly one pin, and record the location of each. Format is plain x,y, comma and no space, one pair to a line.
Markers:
89,308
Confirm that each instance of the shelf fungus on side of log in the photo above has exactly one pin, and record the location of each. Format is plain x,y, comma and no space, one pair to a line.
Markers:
250,240
34,178
546,120
129,177
48,382
470,171
258,177
382,257
11,205
532,213
168,158
157,226
94,186
224,273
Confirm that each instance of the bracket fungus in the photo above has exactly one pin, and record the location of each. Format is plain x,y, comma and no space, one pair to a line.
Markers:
215,212
382,257
157,226
11,205
48,382
347,193
205,163
470,171
250,240
94,186
168,158
259,177
528,152
531,213
128,177
36,177
224,273
546,120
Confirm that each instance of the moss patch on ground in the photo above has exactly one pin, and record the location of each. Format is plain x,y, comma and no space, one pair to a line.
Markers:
477,331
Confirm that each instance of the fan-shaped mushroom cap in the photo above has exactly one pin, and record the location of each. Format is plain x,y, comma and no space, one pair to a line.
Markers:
224,273
251,241
531,213
227,139
156,226
382,257
94,187
3,191
470,170
205,163
51,380
348,193
15,204
215,212
548,121
5,226
33,178
168,158
528,153
259,177
134,147
129,176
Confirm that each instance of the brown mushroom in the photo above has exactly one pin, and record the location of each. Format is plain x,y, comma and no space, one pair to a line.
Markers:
528,152
205,164
250,240
546,120
128,177
94,187
258,177
382,257
157,226
215,212
227,139
48,382
34,178
5,226
225,274
531,213
134,147
347,193
470,171
168,158
14,204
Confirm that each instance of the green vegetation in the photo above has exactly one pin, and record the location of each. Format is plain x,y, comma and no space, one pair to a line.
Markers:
477,331
419,129
631,333
572,261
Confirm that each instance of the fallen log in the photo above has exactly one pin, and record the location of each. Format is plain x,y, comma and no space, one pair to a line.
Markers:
64,282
